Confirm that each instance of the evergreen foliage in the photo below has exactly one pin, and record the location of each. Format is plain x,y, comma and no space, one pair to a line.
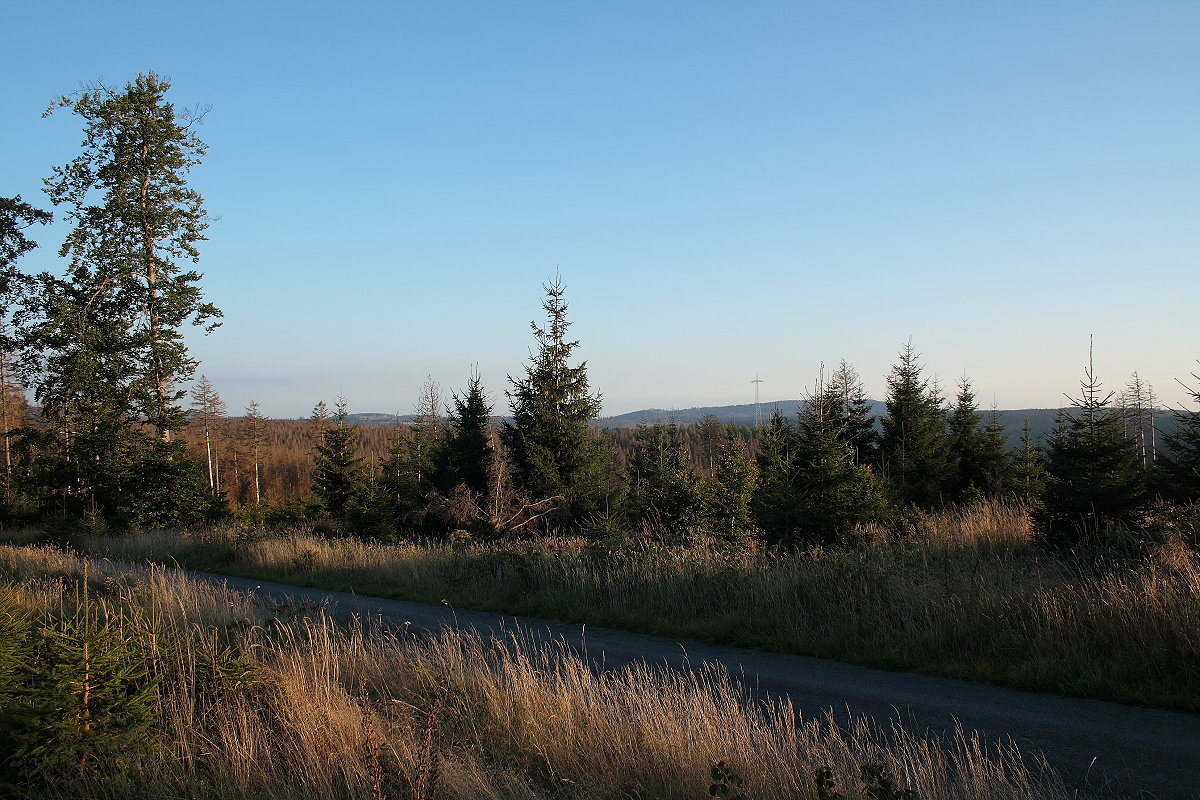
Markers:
833,493
992,457
1027,468
103,346
1181,464
553,450
468,451
126,248
337,475
772,503
733,483
416,464
977,452
913,445
845,401
17,216
1094,472
166,488
80,695
664,491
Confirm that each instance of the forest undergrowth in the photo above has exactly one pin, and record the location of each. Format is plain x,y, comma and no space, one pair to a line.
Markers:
139,682
966,594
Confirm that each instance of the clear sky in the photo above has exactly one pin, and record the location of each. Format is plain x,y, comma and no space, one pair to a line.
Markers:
728,188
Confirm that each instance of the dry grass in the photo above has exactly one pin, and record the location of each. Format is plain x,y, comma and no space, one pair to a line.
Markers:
331,713
966,595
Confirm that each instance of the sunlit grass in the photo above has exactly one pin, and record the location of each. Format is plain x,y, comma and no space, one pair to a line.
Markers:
968,594
317,711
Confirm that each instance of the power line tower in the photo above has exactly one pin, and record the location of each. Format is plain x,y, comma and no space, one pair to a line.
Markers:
757,408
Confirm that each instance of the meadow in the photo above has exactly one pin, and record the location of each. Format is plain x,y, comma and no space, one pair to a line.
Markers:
140,682
967,594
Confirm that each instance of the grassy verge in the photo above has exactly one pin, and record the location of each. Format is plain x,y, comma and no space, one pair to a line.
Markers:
196,692
967,597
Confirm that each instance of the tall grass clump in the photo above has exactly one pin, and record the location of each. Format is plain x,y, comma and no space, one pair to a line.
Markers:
246,706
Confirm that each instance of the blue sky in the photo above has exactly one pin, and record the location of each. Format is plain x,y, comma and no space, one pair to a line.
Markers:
727,188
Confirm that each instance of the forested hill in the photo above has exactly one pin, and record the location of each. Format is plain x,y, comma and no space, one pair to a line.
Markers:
1041,419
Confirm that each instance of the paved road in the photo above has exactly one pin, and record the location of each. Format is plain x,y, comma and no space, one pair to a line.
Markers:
1097,747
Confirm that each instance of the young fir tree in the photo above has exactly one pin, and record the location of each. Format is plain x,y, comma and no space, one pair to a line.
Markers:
337,477
550,441
1181,463
962,444
1027,468
846,402
664,491
992,456
832,492
913,445
732,489
1094,472
416,465
773,501
80,701
468,450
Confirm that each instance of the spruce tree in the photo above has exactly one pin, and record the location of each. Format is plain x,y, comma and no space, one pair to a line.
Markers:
773,501
417,464
664,491
1094,472
913,445
992,456
733,482
846,402
103,347
832,492
1181,463
977,455
337,472
136,224
1027,468
468,449
550,441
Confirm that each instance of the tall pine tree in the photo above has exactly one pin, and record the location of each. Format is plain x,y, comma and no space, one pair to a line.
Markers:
1094,470
104,345
468,450
337,476
550,441
913,445
136,224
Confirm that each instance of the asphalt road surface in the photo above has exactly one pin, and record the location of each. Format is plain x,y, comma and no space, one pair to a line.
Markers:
1099,748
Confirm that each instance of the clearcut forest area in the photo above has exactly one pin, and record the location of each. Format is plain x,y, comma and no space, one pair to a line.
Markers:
918,534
